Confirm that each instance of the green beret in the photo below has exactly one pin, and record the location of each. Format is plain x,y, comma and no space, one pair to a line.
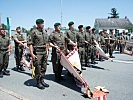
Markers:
70,23
57,24
2,27
88,27
39,21
18,28
80,26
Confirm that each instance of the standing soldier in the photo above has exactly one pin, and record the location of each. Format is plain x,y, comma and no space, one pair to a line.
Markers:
93,47
57,40
19,48
88,38
71,34
81,44
111,44
37,44
106,37
122,39
5,50
101,42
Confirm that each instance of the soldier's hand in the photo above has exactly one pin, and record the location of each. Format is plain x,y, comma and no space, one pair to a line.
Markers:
33,57
9,53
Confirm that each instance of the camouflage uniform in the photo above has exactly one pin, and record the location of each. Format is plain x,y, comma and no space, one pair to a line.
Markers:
111,45
19,49
81,45
71,34
4,56
57,39
123,39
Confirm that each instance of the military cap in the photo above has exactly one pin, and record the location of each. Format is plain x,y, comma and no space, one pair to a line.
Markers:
104,30
2,27
88,27
39,21
57,24
18,28
80,26
93,29
70,23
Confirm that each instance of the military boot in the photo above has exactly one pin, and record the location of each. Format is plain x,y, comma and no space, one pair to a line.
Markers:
39,84
1,74
43,83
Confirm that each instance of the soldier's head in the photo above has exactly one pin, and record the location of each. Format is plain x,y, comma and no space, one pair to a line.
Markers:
2,30
71,25
88,29
111,31
57,26
93,30
18,29
40,23
101,33
80,27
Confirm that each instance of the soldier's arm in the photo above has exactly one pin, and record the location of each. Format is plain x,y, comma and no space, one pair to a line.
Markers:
20,42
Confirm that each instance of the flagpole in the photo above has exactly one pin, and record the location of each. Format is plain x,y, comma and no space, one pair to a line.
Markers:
61,11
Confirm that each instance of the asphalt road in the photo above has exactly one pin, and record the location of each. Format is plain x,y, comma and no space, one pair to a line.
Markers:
116,76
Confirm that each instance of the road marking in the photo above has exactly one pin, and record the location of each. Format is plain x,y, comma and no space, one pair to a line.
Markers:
120,61
11,93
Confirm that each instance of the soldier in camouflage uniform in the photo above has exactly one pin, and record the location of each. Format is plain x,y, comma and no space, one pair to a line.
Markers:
112,40
88,37
19,48
5,50
71,34
38,49
94,37
57,40
122,39
81,44
101,42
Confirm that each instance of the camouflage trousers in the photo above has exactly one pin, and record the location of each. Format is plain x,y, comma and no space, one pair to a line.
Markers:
40,65
81,54
57,67
4,60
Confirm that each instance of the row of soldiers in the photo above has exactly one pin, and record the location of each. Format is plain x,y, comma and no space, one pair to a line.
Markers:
39,43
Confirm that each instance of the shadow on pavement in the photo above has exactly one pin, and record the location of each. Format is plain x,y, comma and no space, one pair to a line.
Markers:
68,82
30,82
24,72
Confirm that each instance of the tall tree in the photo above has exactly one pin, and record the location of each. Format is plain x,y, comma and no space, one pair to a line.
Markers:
114,13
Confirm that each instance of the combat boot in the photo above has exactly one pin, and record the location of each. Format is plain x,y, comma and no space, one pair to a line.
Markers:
43,83
6,72
1,74
39,85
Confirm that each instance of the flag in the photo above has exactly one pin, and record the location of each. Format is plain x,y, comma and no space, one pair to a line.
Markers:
128,48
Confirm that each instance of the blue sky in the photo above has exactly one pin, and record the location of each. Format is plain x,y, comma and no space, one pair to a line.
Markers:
25,12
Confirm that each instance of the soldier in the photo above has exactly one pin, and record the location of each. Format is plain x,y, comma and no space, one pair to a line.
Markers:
106,37
19,48
122,39
93,47
81,44
5,50
88,37
111,44
71,34
101,42
57,39
37,43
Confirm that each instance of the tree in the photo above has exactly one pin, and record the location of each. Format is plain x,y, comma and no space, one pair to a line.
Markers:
114,13
4,26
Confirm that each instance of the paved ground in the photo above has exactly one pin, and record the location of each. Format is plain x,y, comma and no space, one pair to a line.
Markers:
115,76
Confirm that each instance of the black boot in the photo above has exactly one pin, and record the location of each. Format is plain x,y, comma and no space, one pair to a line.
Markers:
39,84
6,72
1,74
43,83
21,68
